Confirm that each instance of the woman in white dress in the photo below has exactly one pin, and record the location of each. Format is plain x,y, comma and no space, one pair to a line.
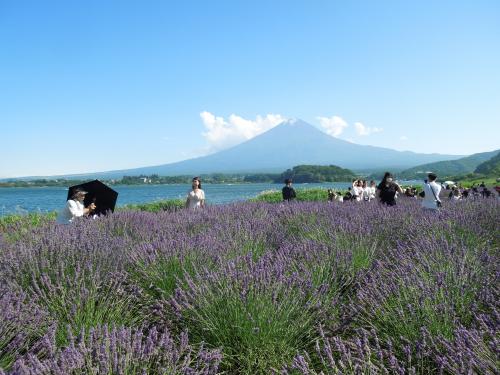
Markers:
373,189
196,197
75,208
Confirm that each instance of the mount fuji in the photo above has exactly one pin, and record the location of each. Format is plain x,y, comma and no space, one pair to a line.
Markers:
288,144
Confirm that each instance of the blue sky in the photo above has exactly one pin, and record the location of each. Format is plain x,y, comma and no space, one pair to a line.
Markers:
92,86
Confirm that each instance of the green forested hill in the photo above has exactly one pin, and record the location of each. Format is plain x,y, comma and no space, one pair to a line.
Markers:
460,166
317,173
490,167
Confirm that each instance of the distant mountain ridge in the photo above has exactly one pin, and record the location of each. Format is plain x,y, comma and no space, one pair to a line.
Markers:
289,144
455,167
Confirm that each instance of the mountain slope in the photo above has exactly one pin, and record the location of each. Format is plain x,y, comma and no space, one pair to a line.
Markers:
490,167
288,144
449,167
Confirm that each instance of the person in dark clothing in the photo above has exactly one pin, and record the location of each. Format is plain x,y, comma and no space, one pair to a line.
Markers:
387,190
288,191
331,195
349,196
485,193
410,192
450,195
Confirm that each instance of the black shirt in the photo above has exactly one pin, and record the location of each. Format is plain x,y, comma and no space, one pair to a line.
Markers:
388,193
288,193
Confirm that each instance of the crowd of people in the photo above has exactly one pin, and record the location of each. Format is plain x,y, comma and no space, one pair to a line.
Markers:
387,192
458,192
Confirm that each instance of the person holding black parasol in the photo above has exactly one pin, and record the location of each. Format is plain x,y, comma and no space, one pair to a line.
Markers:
75,208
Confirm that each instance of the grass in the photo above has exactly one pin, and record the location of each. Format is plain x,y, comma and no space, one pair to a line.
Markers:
28,220
9,223
303,195
157,206
467,180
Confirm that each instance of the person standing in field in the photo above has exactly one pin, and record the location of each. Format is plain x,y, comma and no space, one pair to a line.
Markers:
373,189
456,194
288,191
387,190
196,197
339,198
366,192
74,208
357,190
331,195
432,189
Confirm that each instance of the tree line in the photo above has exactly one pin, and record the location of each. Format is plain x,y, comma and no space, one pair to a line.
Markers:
299,174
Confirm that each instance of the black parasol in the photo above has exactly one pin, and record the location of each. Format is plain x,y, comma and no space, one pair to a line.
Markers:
98,193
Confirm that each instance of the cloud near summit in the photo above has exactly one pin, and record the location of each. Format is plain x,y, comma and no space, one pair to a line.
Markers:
333,126
221,133
363,130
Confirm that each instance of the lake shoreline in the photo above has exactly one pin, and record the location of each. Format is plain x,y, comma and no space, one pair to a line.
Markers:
47,199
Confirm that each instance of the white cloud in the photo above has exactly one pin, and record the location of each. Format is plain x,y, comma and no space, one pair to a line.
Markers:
403,138
221,133
364,130
334,125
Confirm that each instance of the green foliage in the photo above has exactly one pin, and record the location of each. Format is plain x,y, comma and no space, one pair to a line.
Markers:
301,173
160,278
303,195
448,167
471,179
158,206
257,332
31,219
78,296
261,177
317,173
261,327
490,167
426,302
14,227
41,182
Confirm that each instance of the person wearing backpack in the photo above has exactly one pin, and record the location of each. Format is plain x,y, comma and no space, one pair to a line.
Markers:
431,193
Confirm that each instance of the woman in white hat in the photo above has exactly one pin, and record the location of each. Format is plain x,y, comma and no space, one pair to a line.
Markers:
74,208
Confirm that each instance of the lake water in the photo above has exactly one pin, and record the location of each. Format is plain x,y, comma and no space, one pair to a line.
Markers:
46,199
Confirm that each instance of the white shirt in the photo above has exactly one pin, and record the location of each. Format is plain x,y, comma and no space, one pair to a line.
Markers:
429,201
357,191
373,191
70,211
367,193
194,198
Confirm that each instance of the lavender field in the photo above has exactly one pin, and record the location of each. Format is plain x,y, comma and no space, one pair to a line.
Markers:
255,288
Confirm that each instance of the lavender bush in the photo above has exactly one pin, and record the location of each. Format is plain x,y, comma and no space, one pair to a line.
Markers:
301,288
22,323
120,351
